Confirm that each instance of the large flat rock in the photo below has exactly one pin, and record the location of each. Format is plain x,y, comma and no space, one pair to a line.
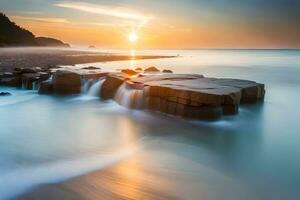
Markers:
187,95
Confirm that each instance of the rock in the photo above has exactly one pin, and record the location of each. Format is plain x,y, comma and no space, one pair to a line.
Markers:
10,79
46,87
151,69
91,68
129,72
28,80
4,94
28,70
138,69
38,69
94,76
185,95
111,84
66,82
44,75
18,69
167,71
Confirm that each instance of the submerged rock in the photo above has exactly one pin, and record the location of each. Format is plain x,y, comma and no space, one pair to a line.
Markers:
151,69
4,94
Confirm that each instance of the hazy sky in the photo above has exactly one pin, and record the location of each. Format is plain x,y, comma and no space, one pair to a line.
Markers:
162,23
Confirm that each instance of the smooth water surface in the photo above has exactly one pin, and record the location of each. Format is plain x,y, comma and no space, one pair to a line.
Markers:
254,155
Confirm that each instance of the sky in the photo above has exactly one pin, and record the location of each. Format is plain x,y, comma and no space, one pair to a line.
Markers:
162,24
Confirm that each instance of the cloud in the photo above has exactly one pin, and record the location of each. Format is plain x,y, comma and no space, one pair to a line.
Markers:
41,19
113,11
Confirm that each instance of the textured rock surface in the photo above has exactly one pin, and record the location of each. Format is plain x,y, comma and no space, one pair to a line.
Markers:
151,69
46,87
184,95
66,82
4,94
167,71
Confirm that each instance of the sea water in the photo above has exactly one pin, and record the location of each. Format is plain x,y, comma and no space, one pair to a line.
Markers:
253,155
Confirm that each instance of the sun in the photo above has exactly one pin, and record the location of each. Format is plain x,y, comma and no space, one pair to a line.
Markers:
133,37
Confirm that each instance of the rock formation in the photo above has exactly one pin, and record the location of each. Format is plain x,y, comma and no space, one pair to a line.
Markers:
185,95
192,96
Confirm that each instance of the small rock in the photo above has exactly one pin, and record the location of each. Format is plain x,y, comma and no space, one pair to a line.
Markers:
18,69
6,75
91,68
28,70
138,69
129,72
151,69
4,94
167,71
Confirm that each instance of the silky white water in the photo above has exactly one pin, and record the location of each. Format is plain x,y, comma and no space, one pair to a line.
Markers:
253,155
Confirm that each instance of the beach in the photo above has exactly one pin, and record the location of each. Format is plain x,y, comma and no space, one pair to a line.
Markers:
42,57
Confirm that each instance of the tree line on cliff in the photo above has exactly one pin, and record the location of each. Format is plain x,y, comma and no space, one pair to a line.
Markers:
13,35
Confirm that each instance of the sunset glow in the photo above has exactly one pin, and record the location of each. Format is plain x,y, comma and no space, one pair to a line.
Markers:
133,37
186,24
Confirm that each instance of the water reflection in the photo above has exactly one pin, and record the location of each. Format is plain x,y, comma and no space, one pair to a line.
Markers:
253,154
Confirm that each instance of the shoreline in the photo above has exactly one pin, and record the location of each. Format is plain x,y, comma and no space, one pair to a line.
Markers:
51,57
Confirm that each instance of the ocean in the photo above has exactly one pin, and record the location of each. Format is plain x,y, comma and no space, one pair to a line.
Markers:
253,155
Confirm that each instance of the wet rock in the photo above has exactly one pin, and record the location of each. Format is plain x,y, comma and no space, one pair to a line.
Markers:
187,95
28,70
66,82
94,76
138,69
111,84
4,94
28,80
10,79
151,69
46,87
18,69
167,71
91,68
129,72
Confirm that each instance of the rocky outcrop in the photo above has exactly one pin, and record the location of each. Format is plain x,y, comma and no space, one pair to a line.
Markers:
129,72
192,96
91,68
10,79
167,71
4,94
185,95
151,69
50,42
46,87
66,82
111,84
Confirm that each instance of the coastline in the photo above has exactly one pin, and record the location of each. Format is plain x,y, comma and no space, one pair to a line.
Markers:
51,57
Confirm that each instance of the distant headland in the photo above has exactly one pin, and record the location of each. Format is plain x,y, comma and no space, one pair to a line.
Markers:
13,35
